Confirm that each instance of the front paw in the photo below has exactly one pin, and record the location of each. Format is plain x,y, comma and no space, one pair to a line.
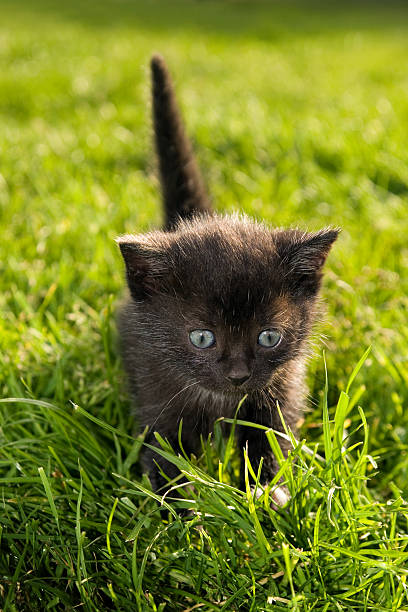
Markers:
279,496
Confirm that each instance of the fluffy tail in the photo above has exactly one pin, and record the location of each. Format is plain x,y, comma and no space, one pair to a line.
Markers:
182,186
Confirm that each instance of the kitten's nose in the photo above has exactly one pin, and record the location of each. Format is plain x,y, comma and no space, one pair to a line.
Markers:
237,380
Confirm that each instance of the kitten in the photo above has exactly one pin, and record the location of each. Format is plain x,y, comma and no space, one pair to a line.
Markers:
219,307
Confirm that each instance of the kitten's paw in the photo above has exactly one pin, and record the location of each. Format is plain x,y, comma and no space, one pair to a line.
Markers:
280,496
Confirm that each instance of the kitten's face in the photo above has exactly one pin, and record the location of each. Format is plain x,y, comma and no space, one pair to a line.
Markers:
234,357
225,301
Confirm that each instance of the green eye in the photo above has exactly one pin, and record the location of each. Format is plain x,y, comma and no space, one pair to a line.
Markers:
202,338
269,338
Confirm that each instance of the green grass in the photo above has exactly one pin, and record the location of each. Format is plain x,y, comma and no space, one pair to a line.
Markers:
299,114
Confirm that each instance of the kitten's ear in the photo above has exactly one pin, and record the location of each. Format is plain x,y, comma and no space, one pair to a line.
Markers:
303,256
145,264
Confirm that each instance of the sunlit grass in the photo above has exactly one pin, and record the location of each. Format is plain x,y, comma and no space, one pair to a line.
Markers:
299,116
107,540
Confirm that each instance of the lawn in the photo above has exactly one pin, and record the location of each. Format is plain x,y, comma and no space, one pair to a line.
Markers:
299,116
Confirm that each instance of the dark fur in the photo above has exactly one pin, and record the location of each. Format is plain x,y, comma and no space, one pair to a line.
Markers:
182,186
228,274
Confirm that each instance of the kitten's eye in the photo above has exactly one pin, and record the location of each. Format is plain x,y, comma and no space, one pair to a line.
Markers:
202,338
269,338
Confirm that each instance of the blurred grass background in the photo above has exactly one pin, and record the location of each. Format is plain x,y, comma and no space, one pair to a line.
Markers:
299,115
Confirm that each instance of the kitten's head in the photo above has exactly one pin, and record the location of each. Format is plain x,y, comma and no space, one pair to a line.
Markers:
225,301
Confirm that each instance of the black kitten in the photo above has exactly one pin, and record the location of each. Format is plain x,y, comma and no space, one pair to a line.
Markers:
219,307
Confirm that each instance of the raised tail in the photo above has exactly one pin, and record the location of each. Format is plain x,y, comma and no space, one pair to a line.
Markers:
182,186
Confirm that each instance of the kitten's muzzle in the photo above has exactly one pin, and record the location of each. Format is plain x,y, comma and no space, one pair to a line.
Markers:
238,380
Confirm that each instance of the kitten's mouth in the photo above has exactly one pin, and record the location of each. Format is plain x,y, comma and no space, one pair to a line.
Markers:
229,390
238,381
238,390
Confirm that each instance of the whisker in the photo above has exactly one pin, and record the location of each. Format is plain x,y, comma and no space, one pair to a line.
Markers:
196,382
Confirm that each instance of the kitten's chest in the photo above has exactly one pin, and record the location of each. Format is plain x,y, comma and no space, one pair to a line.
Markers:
199,403
216,404
204,409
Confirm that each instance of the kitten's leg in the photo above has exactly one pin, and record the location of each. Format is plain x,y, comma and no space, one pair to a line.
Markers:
153,463
258,447
257,444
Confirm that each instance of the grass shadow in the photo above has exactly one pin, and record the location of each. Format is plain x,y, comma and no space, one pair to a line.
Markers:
256,19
